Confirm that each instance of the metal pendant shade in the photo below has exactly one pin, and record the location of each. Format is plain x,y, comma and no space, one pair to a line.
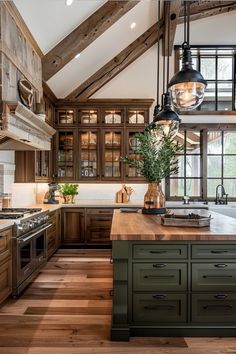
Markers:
187,86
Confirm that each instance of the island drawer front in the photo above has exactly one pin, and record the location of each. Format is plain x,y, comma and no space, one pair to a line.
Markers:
214,276
160,251
160,276
214,308
214,251
159,308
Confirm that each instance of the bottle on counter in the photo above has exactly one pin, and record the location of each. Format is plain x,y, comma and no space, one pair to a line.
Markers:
6,200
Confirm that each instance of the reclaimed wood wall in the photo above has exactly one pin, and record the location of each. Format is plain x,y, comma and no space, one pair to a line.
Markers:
19,55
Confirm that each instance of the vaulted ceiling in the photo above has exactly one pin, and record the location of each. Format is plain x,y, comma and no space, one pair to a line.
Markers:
50,21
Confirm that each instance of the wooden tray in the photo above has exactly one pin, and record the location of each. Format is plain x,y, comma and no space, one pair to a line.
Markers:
189,220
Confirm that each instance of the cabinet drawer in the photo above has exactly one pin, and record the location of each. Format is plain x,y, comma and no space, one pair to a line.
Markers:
160,277
99,221
159,308
217,276
5,244
160,251
214,308
214,251
100,211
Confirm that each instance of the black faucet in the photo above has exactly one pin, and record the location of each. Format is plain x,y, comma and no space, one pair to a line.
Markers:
224,197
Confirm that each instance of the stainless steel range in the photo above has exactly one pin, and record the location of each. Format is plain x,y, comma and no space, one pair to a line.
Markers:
29,244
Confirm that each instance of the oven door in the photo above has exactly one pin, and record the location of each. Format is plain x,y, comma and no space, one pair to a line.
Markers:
40,248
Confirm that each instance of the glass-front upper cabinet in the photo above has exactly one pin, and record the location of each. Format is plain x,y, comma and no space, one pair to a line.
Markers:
88,142
112,151
88,116
113,116
131,172
65,155
137,116
65,117
42,165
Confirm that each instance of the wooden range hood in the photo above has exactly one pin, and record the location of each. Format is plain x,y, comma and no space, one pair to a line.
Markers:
21,129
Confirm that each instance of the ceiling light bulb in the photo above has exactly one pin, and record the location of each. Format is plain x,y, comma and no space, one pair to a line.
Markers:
69,2
133,25
77,55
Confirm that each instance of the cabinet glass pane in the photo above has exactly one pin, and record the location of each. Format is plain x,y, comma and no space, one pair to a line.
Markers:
112,154
229,142
88,158
66,117
65,157
132,148
136,116
113,117
89,116
214,142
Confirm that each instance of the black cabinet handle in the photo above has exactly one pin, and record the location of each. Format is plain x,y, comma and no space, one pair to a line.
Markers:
217,276
159,296
158,276
159,265
217,306
169,307
220,296
221,265
219,251
157,252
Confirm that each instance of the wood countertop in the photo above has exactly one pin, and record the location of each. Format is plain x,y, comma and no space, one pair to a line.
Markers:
137,226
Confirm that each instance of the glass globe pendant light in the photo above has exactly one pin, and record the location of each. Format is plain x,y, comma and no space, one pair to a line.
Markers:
164,118
187,86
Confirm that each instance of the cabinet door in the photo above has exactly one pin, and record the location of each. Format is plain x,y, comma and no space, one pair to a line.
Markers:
131,149
88,116
137,116
5,279
112,152
65,164
73,225
65,116
113,116
88,154
5,244
98,225
42,166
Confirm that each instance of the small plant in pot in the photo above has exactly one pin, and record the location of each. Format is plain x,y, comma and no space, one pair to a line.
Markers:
155,159
68,191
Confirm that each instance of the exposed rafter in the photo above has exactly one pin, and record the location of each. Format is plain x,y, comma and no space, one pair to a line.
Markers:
172,11
84,35
118,63
198,12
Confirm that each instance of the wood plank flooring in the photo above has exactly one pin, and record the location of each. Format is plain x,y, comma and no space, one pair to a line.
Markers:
67,310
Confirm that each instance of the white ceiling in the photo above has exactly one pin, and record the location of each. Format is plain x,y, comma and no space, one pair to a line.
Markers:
50,21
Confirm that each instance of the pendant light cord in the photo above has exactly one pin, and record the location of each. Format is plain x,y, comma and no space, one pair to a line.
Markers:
188,27
168,46
185,21
163,56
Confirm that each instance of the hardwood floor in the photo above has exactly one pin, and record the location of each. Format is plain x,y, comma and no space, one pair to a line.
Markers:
67,309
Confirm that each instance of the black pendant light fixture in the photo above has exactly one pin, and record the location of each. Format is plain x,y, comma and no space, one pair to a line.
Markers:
187,86
165,118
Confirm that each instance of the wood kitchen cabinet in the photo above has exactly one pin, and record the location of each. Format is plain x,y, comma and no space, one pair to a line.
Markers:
32,166
91,140
86,226
54,232
73,225
5,263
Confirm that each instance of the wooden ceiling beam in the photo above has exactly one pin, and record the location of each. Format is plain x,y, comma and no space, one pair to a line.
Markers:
205,5
118,63
172,10
84,35
208,11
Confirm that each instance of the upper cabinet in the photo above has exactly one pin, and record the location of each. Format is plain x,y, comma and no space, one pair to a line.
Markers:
91,139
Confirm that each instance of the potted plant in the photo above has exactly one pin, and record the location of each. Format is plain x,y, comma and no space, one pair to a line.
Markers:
155,159
68,192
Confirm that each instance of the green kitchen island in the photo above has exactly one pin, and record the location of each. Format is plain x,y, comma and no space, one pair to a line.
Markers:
173,281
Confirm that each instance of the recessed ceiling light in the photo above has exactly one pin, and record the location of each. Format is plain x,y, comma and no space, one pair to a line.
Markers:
69,2
77,56
133,25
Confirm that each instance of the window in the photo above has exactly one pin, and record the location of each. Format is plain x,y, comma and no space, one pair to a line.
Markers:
208,159
217,66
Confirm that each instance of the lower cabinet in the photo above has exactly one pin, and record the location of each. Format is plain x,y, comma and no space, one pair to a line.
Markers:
173,288
53,233
86,226
5,263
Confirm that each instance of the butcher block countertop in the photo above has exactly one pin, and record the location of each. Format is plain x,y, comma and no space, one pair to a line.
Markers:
140,227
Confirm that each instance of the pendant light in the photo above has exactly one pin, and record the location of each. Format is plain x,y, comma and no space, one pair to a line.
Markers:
187,86
165,118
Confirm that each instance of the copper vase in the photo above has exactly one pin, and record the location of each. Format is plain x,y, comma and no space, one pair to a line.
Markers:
154,200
